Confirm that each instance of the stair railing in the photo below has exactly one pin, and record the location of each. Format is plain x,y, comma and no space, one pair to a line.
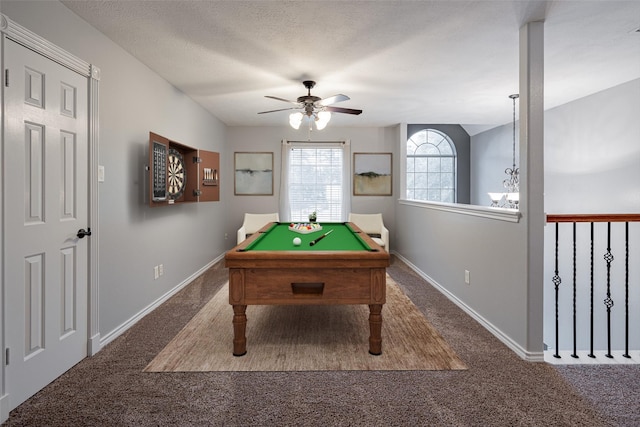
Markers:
608,257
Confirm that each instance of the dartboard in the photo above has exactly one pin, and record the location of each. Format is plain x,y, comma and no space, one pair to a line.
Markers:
176,174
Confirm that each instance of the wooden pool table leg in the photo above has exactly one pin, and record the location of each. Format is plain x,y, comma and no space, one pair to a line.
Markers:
239,328
375,329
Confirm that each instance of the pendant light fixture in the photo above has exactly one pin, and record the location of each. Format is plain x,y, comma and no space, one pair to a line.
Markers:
511,198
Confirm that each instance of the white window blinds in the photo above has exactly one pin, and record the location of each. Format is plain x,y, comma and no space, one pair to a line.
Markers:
316,181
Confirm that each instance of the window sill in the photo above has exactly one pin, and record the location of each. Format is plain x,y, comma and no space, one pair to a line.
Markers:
500,214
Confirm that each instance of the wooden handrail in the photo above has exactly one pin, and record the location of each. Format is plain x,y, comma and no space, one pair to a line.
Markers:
593,218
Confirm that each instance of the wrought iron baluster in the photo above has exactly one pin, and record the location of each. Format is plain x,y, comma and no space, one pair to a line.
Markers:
556,281
608,302
626,290
591,300
575,326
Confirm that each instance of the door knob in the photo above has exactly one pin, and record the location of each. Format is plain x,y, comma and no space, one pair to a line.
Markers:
82,233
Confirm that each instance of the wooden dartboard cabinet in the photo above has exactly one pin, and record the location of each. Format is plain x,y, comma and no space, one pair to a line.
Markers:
181,174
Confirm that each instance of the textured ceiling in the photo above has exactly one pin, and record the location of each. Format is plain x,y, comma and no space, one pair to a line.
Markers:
400,61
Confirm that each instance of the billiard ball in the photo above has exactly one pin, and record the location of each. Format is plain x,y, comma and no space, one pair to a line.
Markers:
297,241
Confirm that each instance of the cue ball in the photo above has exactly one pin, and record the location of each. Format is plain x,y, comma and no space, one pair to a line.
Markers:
297,241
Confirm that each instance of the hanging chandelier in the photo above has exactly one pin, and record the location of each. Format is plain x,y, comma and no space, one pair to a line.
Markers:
511,197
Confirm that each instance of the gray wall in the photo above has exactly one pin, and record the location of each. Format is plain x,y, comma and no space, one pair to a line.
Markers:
491,154
462,141
268,138
591,144
592,153
443,245
134,237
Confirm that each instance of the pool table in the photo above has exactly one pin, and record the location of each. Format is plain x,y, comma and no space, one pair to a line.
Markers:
344,267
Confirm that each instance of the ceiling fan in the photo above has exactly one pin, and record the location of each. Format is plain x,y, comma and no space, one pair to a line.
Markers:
315,108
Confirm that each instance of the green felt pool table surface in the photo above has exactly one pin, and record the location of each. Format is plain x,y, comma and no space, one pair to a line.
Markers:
279,238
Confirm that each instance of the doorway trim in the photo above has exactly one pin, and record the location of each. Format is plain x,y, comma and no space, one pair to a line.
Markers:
21,35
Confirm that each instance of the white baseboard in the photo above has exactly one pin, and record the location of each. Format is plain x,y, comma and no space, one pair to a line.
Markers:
505,339
148,309
94,345
583,358
4,408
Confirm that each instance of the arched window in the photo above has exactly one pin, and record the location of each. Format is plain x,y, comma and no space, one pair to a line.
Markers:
431,167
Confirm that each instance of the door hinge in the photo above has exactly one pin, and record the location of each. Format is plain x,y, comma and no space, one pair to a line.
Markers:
197,159
6,356
6,77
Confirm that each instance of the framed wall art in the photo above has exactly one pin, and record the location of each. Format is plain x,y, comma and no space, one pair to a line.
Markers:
253,174
372,174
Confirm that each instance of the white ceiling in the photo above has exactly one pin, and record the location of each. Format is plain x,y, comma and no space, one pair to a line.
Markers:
426,61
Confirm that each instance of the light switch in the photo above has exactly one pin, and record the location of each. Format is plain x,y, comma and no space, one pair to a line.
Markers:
100,173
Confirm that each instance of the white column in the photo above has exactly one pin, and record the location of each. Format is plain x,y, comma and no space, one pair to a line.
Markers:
532,174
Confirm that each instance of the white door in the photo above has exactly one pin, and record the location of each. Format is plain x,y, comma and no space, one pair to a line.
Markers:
45,203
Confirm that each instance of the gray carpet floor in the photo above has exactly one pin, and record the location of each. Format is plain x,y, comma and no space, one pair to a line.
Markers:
498,389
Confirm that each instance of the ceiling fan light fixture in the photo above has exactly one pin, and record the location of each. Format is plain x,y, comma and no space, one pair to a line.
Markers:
316,109
295,119
322,119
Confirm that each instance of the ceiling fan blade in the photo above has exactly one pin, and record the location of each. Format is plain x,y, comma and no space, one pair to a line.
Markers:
343,110
333,99
281,99
281,109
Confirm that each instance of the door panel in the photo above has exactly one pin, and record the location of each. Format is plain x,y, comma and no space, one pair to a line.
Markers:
46,203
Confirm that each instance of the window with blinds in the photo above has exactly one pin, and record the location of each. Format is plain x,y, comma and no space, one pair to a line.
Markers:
316,183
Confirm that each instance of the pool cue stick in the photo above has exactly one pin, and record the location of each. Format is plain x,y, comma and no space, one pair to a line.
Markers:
313,242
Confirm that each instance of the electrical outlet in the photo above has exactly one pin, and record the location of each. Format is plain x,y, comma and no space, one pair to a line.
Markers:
156,272
226,236
467,277
161,269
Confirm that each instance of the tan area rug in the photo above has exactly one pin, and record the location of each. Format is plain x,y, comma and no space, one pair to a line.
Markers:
307,338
